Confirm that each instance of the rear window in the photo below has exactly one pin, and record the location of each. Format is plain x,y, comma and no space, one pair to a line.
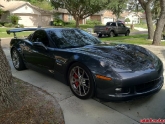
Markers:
111,24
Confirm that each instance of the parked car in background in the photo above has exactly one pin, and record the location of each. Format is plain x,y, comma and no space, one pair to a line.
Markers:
112,29
90,67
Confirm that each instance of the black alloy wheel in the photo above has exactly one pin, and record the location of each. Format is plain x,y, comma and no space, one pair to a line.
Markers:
17,60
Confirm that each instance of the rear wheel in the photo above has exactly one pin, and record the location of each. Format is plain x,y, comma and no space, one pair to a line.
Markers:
112,34
17,60
81,81
99,35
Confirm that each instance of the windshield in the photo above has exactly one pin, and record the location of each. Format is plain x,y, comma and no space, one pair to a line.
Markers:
71,38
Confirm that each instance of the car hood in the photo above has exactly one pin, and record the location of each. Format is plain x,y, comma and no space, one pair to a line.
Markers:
121,57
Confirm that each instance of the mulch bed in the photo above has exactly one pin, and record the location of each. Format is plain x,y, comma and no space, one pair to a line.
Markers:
37,107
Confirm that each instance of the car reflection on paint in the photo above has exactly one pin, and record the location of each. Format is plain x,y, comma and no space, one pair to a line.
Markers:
90,68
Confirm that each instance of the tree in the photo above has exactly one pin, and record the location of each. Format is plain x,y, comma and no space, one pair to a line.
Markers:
117,7
156,9
127,20
8,94
134,6
146,5
160,24
80,9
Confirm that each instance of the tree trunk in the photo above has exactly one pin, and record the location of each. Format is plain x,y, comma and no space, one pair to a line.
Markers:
164,29
8,97
146,6
160,25
77,22
149,22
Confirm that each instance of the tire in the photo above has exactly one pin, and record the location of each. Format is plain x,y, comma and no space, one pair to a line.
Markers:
17,60
80,81
127,33
111,34
99,35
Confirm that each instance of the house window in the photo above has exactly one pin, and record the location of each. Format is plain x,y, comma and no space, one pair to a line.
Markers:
70,17
60,16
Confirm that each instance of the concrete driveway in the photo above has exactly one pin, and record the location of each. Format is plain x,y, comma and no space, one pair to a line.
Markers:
92,111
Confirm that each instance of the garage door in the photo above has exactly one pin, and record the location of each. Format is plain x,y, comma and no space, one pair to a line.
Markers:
106,19
29,20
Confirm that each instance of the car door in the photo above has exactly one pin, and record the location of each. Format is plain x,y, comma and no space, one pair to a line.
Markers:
122,28
38,52
119,28
114,27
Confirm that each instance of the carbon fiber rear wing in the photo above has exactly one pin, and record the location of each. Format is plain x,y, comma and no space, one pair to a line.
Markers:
15,30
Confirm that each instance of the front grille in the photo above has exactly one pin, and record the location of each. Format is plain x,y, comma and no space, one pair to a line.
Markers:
147,86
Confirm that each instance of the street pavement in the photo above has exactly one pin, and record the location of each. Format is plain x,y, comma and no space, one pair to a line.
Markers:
92,111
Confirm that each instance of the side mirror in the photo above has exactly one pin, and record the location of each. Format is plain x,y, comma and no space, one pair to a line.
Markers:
39,45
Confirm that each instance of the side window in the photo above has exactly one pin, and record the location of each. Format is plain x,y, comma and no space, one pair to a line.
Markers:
30,37
113,24
40,36
108,24
120,24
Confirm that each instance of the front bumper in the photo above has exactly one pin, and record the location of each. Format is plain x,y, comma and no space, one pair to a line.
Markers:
132,92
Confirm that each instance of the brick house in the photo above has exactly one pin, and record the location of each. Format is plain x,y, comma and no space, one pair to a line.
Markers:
102,16
63,15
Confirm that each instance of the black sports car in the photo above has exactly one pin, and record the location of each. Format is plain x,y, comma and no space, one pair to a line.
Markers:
90,67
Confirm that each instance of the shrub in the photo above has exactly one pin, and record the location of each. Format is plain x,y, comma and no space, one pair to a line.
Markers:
21,25
1,25
93,22
14,19
8,25
58,22
72,22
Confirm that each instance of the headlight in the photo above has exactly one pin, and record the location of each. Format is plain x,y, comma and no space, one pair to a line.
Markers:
116,66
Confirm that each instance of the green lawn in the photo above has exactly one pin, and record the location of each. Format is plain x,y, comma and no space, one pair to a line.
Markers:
3,33
140,39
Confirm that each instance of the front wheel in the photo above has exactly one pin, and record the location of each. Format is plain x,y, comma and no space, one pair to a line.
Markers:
17,60
127,33
80,81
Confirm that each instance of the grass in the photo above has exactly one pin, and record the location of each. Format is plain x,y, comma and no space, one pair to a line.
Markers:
140,39
3,33
138,25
